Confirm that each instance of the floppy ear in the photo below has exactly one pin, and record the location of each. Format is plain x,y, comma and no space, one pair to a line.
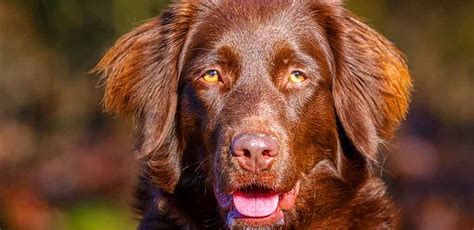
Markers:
140,75
371,86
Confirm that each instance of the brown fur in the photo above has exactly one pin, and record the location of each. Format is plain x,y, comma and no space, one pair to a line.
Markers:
329,128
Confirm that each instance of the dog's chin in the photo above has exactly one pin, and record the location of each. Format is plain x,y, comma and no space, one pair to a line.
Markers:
256,207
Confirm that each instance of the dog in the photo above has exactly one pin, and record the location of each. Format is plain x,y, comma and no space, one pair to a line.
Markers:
258,114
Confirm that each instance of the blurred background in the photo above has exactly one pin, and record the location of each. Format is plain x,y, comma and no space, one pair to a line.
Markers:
66,165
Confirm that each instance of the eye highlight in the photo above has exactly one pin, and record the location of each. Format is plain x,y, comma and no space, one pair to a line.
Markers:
212,76
297,77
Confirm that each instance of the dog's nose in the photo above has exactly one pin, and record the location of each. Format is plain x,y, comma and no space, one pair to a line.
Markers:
254,152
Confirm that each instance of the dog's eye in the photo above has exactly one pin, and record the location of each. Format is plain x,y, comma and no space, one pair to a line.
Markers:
297,77
212,76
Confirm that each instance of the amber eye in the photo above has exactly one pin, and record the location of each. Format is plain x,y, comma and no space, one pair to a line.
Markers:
212,76
297,77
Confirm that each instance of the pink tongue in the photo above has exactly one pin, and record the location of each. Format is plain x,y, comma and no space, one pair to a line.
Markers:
254,204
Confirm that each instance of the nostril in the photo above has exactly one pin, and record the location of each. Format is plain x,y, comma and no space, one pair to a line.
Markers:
247,153
266,153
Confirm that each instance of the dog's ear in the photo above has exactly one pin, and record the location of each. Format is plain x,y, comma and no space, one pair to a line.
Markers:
371,85
140,76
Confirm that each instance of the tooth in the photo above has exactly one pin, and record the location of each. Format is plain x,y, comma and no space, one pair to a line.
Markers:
230,220
280,222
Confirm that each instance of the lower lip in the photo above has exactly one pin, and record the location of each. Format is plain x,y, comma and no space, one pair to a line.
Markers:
234,218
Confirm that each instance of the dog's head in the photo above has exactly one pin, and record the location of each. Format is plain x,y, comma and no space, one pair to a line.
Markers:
266,98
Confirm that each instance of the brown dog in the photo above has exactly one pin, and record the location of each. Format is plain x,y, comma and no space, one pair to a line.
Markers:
259,114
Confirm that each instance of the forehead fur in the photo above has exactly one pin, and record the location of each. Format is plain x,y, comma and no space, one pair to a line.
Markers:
256,28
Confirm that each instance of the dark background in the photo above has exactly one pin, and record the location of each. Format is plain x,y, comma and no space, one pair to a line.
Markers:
66,165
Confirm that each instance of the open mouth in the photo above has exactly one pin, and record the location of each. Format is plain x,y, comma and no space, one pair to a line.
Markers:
255,206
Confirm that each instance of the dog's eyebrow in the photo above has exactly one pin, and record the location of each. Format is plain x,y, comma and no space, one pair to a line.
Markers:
285,57
228,59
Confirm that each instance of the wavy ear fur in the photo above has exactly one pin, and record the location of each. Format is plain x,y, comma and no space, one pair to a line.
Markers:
140,75
371,86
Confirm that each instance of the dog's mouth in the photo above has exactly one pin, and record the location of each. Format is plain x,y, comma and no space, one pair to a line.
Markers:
256,206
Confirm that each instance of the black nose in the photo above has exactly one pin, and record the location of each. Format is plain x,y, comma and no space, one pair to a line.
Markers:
254,152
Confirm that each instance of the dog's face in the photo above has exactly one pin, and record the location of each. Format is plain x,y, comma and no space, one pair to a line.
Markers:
270,100
256,97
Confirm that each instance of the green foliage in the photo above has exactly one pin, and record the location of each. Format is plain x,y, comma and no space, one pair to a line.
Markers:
99,216
82,28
